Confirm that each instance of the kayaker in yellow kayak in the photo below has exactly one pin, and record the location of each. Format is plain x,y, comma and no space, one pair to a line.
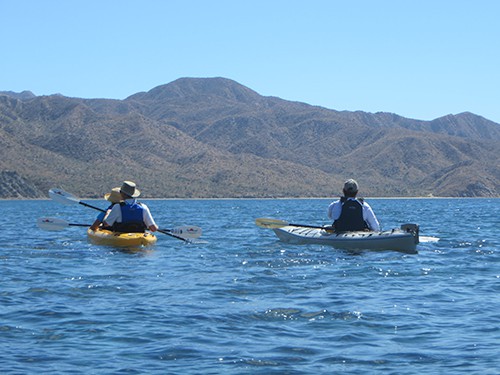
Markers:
114,197
130,215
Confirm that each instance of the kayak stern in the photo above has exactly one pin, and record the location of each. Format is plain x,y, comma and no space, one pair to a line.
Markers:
108,238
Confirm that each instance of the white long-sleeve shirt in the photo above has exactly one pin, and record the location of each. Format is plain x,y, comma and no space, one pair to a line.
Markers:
335,209
115,215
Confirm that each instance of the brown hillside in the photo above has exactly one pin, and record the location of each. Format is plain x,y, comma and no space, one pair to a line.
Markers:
216,138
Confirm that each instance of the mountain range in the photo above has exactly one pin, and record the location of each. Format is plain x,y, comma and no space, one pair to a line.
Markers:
215,138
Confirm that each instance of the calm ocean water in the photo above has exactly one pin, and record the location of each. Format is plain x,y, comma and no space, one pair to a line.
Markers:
244,303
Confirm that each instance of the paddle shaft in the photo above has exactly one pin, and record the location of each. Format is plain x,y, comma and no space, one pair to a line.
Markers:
88,205
173,235
276,223
305,226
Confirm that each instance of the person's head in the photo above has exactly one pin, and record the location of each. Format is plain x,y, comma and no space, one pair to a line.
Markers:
129,190
350,188
114,196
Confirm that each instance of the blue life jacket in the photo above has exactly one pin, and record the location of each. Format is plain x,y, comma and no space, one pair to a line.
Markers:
132,219
351,217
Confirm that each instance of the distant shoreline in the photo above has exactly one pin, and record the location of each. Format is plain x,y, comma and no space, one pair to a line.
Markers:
229,198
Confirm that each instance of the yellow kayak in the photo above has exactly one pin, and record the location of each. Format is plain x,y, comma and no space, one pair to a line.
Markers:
109,238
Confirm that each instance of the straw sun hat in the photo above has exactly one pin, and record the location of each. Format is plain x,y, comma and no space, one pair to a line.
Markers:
114,196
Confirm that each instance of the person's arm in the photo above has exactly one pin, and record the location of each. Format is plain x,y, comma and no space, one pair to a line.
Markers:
370,218
98,221
95,224
334,210
148,219
112,215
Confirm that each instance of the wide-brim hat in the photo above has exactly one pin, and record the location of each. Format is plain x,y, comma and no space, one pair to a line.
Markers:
114,196
129,188
351,186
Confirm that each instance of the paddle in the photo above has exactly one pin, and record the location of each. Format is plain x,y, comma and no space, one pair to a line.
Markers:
276,223
183,233
174,236
66,198
55,224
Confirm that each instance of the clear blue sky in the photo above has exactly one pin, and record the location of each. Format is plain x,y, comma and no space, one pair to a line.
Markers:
420,59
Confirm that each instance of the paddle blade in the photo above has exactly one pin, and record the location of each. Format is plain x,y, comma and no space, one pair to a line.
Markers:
52,223
270,223
186,231
63,197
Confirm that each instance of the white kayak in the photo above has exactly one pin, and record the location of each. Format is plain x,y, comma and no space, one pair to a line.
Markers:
403,239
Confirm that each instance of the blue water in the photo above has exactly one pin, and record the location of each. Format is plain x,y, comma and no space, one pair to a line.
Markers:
244,303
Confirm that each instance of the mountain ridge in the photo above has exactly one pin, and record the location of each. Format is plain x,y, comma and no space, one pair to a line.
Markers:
213,138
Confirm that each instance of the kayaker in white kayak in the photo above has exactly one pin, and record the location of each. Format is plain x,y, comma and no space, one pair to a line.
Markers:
130,215
114,197
350,213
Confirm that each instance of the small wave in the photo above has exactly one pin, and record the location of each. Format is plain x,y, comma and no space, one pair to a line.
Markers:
298,314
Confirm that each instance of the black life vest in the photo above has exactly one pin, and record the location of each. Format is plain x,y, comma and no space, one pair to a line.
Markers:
351,217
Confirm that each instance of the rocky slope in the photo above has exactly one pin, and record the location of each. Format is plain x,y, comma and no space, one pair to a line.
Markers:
213,137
